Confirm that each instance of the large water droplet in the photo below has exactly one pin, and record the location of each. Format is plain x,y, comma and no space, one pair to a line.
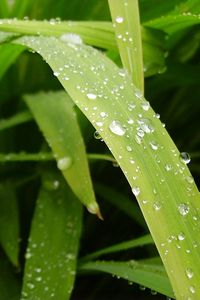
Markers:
192,289
183,209
71,38
145,105
64,163
184,157
154,145
189,273
181,236
145,125
117,128
119,19
136,190
91,96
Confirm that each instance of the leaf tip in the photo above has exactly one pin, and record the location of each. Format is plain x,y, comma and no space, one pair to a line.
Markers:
93,208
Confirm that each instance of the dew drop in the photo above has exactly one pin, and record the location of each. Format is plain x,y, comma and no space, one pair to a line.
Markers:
154,145
157,205
181,236
183,209
91,96
130,121
116,128
184,157
145,125
138,93
56,74
168,168
64,163
128,148
136,190
71,38
189,179
119,19
145,105
97,136
192,289
189,273
103,114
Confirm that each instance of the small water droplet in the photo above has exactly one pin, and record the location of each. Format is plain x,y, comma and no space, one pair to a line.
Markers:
154,145
184,157
157,205
183,209
168,168
136,190
138,93
189,273
97,136
189,179
145,105
192,289
56,74
145,125
91,96
119,19
64,163
181,236
103,114
128,148
116,128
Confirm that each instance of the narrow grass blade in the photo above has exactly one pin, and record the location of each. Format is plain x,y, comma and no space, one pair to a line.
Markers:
173,23
99,34
148,275
15,120
56,117
9,284
119,200
126,20
4,11
155,169
139,242
53,242
9,231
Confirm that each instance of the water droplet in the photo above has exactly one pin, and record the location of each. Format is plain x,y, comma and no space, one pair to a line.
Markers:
136,190
116,128
138,93
128,148
119,19
154,145
183,209
181,236
157,205
71,38
56,74
97,136
168,168
130,121
64,163
184,157
103,114
145,125
189,179
189,273
91,96
145,105
142,288
30,285
192,289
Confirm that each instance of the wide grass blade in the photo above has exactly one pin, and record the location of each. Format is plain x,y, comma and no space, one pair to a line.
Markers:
148,275
8,55
99,34
154,167
139,242
53,242
9,222
126,21
56,117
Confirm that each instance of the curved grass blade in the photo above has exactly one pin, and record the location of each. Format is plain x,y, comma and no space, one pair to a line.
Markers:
56,117
148,275
126,21
9,284
17,119
139,242
99,34
9,222
155,169
53,242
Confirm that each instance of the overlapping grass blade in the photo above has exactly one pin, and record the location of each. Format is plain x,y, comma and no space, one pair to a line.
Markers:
56,117
148,275
156,171
126,21
4,11
139,242
17,119
99,34
9,284
9,222
53,242
119,200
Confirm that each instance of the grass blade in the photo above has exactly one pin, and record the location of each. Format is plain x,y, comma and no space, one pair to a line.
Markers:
139,242
15,120
148,275
4,11
9,231
126,20
60,128
53,242
154,169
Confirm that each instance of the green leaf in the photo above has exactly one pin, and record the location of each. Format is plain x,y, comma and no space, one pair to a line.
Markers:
8,55
99,34
53,242
157,173
4,11
139,242
126,21
17,119
9,222
56,117
148,275
9,284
